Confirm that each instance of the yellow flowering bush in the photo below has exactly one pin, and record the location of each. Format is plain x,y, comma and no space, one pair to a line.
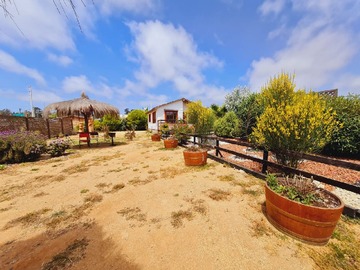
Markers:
292,120
201,117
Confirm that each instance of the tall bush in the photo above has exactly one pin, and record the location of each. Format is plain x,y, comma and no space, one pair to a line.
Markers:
346,140
245,105
228,126
137,119
201,117
20,146
292,120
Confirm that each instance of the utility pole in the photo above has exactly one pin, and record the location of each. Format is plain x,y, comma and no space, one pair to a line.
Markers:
31,102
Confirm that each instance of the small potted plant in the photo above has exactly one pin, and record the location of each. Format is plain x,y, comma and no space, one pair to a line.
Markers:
296,206
156,137
171,142
195,156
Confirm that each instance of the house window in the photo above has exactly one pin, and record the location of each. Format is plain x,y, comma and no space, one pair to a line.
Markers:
149,118
171,116
154,117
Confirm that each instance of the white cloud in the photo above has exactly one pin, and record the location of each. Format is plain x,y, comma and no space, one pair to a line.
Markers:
10,64
61,60
81,83
168,54
35,24
272,6
319,48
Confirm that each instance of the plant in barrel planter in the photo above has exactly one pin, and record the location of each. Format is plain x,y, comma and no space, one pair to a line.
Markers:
170,142
297,207
156,137
195,156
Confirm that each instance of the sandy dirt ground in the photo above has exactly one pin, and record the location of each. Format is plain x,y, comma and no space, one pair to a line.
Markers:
136,205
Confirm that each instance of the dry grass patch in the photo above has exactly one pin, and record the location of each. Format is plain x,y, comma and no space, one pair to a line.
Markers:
260,228
137,181
342,251
58,178
254,191
82,167
102,185
171,172
133,213
29,219
5,209
40,194
198,206
218,194
93,198
178,217
107,158
227,178
117,187
72,254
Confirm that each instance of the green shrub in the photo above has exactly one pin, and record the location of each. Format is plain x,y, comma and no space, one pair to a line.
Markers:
137,119
292,120
246,106
21,146
181,130
228,126
202,118
346,140
58,147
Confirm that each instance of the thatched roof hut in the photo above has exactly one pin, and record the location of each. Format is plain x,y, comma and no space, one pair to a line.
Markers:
81,106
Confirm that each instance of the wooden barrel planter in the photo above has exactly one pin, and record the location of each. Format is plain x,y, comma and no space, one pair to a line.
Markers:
170,143
195,158
310,224
155,137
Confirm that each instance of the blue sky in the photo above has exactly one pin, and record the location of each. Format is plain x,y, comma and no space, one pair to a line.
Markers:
142,53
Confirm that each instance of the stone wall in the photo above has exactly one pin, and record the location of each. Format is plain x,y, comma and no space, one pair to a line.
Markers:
49,127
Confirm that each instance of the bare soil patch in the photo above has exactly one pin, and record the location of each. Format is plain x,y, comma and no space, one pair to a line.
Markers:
136,205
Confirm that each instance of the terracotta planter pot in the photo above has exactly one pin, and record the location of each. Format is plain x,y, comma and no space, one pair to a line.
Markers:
155,137
193,158
170,143
309,224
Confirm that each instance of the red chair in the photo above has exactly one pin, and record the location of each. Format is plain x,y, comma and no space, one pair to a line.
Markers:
84,137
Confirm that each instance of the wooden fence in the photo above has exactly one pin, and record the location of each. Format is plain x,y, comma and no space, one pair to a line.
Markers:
48,127
266,163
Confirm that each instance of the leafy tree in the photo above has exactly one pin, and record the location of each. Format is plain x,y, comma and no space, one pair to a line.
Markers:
346,140
201,117
219,111
111,122
228,126
5,112
244,104
292,120
137,119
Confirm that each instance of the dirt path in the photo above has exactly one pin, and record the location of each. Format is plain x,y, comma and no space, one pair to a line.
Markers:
136,206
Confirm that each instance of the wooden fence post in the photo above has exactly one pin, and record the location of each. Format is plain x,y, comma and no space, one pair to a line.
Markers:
48,128
265,158
217,148
27,123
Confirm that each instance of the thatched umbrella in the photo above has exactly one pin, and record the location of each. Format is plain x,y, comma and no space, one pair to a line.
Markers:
81,106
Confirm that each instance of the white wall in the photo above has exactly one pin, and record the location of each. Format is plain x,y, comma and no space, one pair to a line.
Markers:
160,113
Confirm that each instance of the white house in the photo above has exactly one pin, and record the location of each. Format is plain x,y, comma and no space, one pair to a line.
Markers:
167,113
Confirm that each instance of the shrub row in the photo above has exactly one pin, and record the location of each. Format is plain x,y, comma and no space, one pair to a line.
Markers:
17,147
